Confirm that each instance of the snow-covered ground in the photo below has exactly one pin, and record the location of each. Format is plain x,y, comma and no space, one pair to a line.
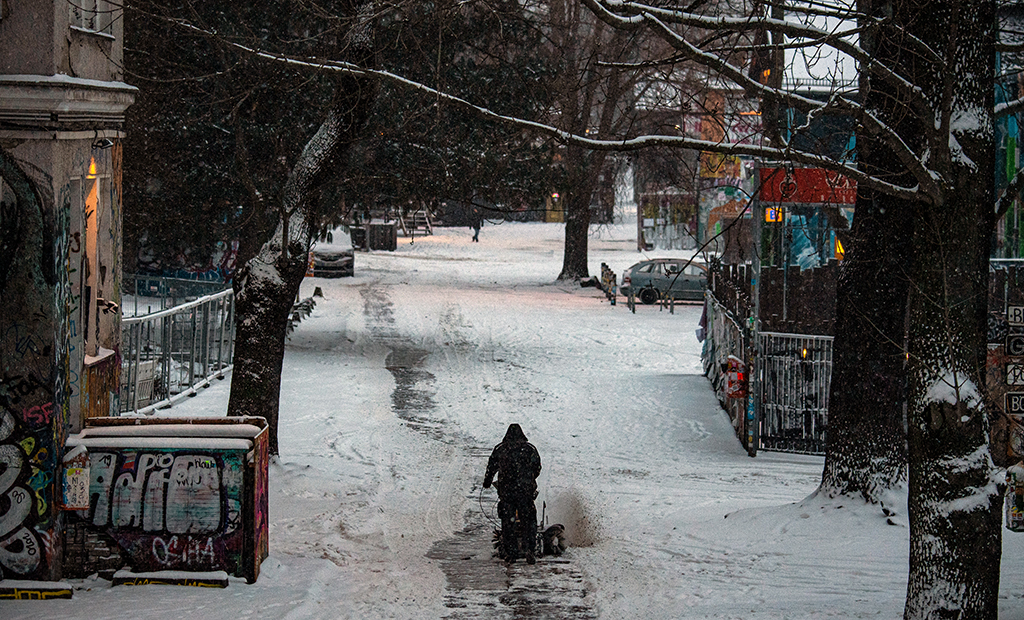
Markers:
668,515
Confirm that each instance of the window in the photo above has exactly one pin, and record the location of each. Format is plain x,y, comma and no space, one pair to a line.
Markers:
91,15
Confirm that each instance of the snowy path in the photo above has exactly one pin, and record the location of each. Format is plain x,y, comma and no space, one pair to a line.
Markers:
405,376
477,585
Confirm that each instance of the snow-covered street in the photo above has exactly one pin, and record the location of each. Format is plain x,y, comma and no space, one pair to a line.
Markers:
405,376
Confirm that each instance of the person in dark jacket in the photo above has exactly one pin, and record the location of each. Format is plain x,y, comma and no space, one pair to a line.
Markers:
517,464
477,220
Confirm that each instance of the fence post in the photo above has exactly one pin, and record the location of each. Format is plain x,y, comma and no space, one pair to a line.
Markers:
206,340
222,312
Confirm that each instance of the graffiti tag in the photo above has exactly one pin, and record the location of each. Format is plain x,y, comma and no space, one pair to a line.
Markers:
20,548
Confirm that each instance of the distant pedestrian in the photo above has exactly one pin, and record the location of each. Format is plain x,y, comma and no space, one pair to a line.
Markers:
476,224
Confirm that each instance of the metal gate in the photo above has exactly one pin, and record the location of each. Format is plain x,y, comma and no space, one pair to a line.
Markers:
793,375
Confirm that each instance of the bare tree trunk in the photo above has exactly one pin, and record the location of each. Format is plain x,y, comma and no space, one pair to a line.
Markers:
584,170
577,230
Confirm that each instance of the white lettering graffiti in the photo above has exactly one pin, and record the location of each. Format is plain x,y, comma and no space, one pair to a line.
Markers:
190,551
177,494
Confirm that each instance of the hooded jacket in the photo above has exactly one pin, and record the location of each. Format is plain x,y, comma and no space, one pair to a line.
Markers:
516,463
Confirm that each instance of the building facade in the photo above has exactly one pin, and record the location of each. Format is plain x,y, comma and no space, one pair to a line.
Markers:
62,105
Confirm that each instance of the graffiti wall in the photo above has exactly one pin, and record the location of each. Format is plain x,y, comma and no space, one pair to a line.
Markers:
26,497
261,503
33,379
170,510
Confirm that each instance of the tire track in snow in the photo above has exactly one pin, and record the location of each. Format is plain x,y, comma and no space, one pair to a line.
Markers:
412,398
478,584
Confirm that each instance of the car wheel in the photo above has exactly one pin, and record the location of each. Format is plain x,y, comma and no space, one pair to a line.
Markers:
648,296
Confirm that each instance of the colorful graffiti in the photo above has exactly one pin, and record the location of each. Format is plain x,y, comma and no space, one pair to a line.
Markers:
195,582
261,503
170,509
26,470
33,378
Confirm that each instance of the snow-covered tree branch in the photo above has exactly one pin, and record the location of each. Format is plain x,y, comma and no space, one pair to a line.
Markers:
650,141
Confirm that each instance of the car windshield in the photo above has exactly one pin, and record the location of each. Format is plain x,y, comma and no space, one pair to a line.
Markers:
335,240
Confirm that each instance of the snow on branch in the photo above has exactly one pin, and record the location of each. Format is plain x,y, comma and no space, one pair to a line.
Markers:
1007,108
926,180
627,15
625,144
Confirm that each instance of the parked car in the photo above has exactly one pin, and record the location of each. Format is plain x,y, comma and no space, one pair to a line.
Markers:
671,277
334,258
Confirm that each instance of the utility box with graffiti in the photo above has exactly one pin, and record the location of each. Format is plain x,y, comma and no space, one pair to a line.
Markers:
172,494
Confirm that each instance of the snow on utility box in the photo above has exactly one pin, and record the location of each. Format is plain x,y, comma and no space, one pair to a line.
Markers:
172,494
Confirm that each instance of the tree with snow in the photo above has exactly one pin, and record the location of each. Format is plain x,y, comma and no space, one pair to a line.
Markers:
282,172
924,115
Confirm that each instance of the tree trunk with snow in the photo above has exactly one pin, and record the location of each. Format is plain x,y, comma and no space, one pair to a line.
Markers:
267,285
265,289
954,500
866,453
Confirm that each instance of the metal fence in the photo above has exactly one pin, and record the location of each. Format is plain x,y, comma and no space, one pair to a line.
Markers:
143,294
724,338
793,374
170,354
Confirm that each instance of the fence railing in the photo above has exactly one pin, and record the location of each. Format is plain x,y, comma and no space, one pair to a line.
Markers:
170,354
143,294
794,372
725,338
